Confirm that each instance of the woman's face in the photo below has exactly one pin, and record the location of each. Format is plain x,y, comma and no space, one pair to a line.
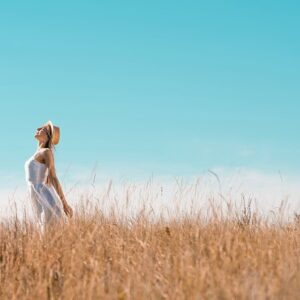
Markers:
42,134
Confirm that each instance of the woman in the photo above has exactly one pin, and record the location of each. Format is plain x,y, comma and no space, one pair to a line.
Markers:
44,187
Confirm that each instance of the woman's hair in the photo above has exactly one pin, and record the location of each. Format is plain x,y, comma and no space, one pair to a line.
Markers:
52,148
49,144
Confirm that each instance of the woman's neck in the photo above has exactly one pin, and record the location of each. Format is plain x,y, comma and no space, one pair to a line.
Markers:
41,145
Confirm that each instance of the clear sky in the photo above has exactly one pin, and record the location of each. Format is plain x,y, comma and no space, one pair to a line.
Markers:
156,87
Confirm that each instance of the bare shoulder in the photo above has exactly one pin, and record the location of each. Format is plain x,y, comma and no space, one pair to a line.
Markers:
47,153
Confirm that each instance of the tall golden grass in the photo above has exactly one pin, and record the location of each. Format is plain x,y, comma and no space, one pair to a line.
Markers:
104,256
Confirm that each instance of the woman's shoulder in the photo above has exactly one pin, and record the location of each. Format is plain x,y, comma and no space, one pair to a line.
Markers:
46,153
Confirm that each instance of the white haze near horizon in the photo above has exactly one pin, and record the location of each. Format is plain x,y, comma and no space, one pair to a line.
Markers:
167,195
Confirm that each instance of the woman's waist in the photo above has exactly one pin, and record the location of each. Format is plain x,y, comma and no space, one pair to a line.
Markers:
35,178
36,184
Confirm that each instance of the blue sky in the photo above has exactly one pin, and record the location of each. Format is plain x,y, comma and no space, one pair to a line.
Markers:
164,87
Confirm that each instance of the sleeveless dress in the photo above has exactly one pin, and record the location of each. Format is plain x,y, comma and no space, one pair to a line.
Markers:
46,203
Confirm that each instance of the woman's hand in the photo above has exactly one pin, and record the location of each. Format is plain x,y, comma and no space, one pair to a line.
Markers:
68,210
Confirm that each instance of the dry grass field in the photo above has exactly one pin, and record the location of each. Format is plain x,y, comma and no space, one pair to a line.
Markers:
99,256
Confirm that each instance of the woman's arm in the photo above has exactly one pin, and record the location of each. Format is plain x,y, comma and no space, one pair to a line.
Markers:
52,179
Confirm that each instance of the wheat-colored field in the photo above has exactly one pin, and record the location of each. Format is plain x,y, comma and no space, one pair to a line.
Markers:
104,256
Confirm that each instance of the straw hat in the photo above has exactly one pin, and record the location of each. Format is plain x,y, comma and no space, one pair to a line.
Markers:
55,133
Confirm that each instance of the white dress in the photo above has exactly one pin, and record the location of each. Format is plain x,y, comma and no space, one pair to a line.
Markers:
46,203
